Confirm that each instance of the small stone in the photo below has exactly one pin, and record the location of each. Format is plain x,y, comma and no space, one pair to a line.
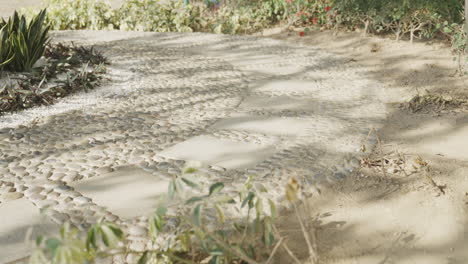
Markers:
218,168
20,187
51,185
57,176
163,165
64,199
12,196
111,217
74,166
144,164
59,218
88,213
7,189
53,195
132,258
33,190
81,200
137,246
77,220
137,231
46,203
63,189
70,178
95,157
104,170
36,197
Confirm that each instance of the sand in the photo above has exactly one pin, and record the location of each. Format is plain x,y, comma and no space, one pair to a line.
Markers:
397,216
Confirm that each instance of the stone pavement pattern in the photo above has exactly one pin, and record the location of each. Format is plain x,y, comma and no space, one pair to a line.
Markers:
240,105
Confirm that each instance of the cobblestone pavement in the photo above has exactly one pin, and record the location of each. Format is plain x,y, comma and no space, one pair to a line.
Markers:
240,105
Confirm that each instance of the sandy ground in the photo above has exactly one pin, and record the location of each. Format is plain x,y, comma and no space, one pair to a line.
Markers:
397,215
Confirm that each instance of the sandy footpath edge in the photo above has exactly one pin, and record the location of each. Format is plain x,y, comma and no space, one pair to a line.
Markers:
375,217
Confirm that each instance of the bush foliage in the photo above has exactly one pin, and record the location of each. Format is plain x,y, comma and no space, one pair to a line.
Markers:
413,18
203,227
404,18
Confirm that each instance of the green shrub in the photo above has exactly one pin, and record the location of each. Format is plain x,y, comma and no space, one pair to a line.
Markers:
80,14
404,18
22,42
416,18
152,15
208,226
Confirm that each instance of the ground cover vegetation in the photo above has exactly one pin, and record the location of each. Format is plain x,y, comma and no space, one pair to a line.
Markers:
416,19
193,223
35,72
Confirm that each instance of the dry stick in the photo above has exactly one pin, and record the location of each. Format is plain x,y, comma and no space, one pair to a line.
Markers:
285,246
403,158
312,254
237,252
274,250
382,156
429,178
234,250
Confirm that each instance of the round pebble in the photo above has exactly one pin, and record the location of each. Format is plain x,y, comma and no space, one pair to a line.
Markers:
137,231
81,200
11,196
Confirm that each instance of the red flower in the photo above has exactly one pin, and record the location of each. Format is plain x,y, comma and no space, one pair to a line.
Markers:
327,8
301,34
314,20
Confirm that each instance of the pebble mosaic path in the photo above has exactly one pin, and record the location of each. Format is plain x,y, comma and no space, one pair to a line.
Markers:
240,105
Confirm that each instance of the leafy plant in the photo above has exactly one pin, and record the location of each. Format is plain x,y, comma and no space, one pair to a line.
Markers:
202,227
458,39
6,54
69,247
22,42
153,15
65,69
80,14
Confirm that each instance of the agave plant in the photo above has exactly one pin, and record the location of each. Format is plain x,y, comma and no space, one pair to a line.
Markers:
6,55
22,42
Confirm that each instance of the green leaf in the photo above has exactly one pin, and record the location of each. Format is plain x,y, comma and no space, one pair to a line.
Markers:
190,170
194,199
220,212
161,211
116,230
268,237
91,239
239,227
197,215
259,207
189,182
110,234
215,260
273,210
39,240
144,258
216,252
171,189
52,244
215,188
249,200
